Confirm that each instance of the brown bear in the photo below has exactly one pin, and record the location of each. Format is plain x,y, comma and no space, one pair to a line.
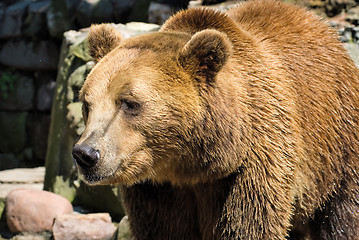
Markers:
235,125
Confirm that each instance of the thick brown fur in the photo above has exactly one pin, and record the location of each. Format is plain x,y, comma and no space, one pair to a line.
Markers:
236,125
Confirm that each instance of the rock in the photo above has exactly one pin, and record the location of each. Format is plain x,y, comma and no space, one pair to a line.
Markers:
23,175
353,50
139,12
29,210
45,96
219,6
33,236
35,23
8,161
102,12
210,2
40,55
13,131
356,35
17,92
83,227
179,4
100,199
79,46
45,83
94,11
122,9
14,179
39,125
123,232
84,12
59,162
346,34
60,16
158,13
75,119
136,28
12,23
353,15
76,80
334,7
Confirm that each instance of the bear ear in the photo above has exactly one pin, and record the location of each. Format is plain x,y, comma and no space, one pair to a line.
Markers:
206,53
102,39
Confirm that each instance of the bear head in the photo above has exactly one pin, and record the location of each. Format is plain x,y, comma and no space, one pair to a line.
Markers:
151,109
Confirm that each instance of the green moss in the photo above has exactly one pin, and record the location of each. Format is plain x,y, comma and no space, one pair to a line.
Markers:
64,188
2,206
7,83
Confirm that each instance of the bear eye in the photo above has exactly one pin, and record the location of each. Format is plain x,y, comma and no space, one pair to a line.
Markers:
130,107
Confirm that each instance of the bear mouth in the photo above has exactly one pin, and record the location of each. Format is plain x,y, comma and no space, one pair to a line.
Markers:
92,177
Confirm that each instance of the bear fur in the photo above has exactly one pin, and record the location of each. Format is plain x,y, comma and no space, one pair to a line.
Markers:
235,125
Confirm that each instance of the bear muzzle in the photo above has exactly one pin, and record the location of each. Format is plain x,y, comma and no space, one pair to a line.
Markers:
85,156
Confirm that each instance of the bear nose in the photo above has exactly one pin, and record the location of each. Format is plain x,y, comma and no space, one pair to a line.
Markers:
85,155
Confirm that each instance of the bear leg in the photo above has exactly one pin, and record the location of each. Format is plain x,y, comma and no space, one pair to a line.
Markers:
255,209
160,211
339,217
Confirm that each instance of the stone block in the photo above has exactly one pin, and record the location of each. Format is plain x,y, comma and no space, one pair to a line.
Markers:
12,21
13,131
353,50
8,161
29,210
45,95
17,92
122,9
75,119
123,232
139,12
40,55
83,227
45,83
33,236
76,80
35,23
39,125
102,12
23,175
84,12
60,17
158,13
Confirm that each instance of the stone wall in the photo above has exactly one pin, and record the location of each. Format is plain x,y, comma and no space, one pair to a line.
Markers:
28,64
31,32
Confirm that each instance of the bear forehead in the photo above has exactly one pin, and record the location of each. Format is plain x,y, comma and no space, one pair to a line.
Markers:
166,42
140,60
118,72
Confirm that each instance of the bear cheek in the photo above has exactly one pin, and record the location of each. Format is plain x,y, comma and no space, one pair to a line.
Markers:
130,159
135,169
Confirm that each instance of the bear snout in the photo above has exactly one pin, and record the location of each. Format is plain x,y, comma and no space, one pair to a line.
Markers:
85,156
